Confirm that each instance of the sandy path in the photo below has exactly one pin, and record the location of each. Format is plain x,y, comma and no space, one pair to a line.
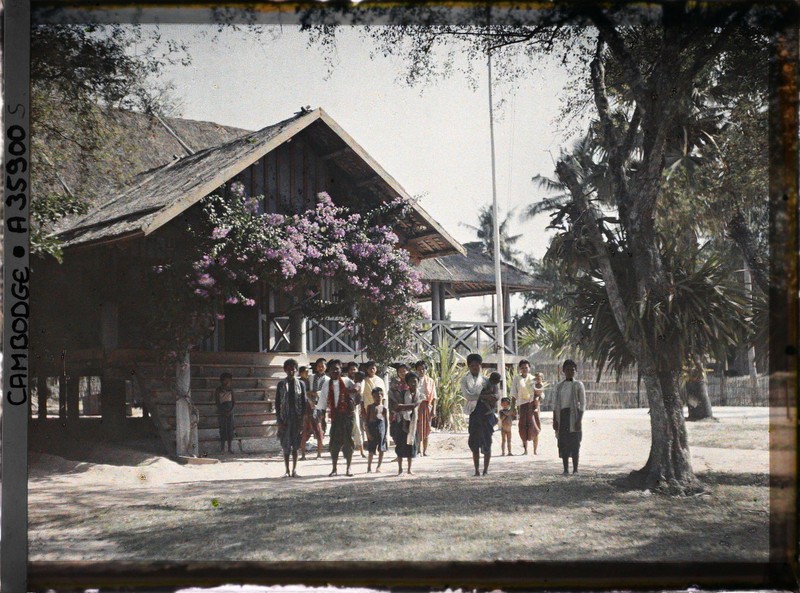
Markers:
139,507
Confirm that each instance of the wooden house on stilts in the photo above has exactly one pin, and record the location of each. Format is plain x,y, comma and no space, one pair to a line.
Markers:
90,312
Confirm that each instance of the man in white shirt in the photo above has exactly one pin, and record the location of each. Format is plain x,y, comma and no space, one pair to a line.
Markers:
339,396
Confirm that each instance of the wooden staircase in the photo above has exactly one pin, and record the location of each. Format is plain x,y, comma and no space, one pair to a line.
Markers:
255,379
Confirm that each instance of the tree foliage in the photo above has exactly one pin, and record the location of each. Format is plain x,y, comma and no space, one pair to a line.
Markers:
484,231
81,74
641,68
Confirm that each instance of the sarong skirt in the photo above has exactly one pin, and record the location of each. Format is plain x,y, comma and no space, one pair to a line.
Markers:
225,418
569,443
424,420
376,436
529,423
342,435
402,447
481,429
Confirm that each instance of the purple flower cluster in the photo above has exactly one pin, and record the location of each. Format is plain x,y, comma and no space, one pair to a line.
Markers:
375,278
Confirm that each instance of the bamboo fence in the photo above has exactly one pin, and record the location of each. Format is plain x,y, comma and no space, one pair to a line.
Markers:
610,393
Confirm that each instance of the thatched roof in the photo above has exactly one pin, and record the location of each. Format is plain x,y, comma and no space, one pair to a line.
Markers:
473,274
130,143
160,194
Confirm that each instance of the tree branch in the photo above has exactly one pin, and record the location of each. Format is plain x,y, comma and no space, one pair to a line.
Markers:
740,233
586,219
704,57
601,96
630,69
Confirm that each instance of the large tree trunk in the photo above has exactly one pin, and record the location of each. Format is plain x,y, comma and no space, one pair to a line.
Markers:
697,393
186,417
669,467
698,400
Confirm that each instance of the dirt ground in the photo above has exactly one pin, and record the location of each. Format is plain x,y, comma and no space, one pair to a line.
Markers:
118,503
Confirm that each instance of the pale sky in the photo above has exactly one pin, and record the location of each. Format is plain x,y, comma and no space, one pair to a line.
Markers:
434,140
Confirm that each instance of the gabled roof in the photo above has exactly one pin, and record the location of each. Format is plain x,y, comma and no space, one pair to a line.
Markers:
473,274
159,195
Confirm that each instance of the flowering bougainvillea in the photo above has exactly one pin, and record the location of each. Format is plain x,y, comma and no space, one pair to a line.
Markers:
376,285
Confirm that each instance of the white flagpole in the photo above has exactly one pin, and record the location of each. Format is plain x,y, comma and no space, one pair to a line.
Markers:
501,343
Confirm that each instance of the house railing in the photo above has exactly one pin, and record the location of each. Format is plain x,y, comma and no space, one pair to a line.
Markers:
465,336
334,336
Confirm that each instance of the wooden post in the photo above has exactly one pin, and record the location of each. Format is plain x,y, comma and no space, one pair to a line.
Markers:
62,398
436,311
42,393
508,339
297,333
723,390
73,402
112,405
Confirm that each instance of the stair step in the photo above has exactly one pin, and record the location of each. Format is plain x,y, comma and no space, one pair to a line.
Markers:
266,431
166,396
239,421
237,371
236,382
210,409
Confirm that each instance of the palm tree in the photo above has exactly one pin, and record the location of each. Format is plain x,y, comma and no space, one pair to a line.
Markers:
485,233
554,334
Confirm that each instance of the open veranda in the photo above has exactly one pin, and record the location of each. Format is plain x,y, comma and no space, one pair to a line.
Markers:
115,503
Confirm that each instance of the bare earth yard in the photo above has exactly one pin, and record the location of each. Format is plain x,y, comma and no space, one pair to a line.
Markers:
121,504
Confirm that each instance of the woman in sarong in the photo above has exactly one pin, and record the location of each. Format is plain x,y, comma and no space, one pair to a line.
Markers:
525,398
428,406
404,406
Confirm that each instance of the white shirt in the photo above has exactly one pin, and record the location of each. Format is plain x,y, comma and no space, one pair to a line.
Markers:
471,387
369,385
322,404
522,388
564,393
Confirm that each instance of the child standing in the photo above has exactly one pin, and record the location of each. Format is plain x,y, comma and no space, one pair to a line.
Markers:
311,425
290,407
357,377
377,429
302,373
223,397
506,420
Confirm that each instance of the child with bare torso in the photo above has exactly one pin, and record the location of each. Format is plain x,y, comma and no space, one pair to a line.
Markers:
377,428
506,422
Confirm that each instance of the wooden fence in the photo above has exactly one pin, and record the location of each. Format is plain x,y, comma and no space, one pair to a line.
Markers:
610,393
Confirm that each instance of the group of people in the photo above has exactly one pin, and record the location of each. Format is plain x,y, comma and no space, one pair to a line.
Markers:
363,414
354,400
527,392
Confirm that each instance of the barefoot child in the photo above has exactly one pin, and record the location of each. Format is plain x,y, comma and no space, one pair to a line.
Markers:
377,428
311,425
290,407
357,377
223,397
506,420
